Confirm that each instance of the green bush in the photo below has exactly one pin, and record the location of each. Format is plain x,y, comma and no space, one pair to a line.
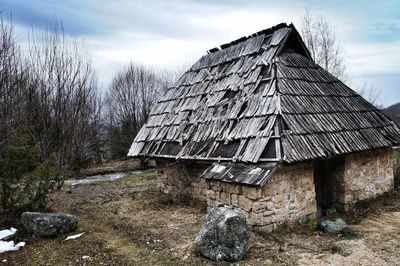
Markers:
313,224
24,180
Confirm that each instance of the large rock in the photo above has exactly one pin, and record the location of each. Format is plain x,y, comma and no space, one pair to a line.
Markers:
224,236
334,227
48,224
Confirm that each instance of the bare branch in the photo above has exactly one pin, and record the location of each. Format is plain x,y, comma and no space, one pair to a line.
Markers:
320,39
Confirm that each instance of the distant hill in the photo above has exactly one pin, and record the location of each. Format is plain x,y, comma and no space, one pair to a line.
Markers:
393,112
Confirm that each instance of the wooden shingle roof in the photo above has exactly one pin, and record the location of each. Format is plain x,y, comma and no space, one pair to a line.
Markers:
261,99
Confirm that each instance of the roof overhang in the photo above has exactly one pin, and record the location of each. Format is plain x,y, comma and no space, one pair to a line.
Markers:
244,174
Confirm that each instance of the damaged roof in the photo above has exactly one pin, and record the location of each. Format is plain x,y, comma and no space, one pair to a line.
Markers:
247,174
261,99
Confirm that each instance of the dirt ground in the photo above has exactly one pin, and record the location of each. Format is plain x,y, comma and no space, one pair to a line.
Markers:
128,222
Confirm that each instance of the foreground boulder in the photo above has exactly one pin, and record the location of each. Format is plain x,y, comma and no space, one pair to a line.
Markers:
334,227
48,224
224,236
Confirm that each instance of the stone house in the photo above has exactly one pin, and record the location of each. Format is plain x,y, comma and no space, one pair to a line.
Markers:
257,124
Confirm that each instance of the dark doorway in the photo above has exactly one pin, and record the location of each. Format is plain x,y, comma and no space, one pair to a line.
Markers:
327,177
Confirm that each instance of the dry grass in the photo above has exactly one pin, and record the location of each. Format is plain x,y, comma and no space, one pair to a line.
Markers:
128,222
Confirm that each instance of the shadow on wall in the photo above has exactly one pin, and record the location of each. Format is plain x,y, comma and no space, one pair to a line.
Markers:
396,166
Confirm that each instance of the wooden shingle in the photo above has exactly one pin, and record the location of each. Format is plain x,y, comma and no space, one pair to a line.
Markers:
261,99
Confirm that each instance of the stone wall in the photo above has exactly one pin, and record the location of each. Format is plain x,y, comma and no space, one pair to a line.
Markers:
289,196
366,175
182,180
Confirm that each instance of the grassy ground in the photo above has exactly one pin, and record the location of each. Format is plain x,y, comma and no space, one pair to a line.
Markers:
128,222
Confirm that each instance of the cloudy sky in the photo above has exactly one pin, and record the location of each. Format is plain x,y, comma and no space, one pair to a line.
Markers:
173,33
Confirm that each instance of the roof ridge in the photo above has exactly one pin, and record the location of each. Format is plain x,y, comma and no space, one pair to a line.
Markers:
267,31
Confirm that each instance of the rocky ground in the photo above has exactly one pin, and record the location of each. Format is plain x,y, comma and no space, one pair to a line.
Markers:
128,222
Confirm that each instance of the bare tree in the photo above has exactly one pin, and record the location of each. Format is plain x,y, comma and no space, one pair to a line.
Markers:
12,79
49,115
371,94
132,93
320,39
64,93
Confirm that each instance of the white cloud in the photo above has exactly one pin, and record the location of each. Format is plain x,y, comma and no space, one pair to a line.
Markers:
176,32
369,59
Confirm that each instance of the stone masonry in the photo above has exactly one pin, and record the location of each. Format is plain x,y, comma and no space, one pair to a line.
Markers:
289,196
182,180
366,175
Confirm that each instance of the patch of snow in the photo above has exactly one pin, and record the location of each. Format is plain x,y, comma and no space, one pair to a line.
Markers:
10,246
100,178
74,236
94,179
7,232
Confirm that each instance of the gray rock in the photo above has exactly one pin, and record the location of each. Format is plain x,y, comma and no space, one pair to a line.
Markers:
333,227
224,236
48,224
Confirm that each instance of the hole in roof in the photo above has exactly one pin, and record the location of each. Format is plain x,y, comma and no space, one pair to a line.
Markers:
171,148
222,67
285,125
266,72
244,106
269,151
235,122
261,87
226,150
189,115
295,44
229,94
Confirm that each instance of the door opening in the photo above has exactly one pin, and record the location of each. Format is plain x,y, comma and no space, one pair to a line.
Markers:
327,176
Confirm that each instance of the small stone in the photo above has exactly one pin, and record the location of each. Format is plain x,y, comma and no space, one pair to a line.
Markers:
48,224
86,258
333,227
225,235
